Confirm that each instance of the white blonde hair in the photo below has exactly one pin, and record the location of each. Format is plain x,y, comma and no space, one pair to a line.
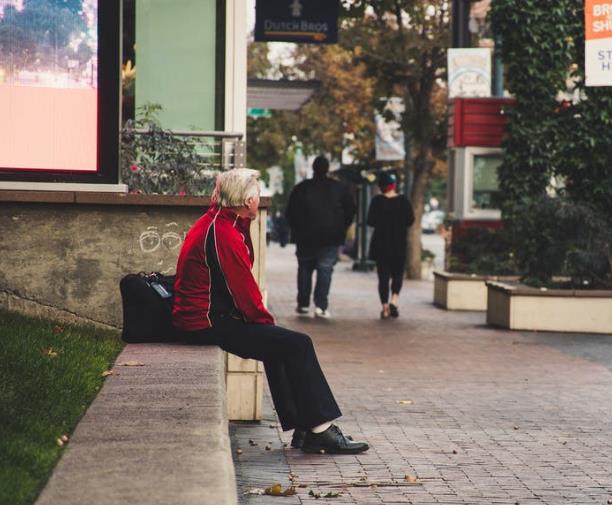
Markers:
234,187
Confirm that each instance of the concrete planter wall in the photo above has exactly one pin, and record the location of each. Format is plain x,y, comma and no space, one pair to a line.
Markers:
524,308
462,291
63,254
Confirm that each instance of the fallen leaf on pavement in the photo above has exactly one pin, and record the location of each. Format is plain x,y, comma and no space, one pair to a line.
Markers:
405,402
274,490
329,494
255,490
252,442
131,363
107,373
411,478
277,490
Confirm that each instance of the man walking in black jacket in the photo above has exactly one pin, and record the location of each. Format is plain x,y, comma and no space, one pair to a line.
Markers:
319,212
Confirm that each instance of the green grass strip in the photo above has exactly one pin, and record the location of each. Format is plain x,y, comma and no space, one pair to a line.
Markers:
49,374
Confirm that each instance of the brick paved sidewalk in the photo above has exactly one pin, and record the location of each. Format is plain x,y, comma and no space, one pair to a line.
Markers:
478,415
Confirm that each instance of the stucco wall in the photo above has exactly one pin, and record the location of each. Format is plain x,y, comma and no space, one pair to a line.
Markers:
65,259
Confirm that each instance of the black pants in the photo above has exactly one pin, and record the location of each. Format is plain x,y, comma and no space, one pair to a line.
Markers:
300,392
390,269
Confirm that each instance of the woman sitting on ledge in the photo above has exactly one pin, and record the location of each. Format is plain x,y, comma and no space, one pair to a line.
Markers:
218,302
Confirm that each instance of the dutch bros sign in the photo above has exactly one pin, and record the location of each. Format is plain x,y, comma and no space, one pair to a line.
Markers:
598,42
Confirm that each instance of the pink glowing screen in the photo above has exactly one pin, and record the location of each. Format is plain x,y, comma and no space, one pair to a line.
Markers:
49,85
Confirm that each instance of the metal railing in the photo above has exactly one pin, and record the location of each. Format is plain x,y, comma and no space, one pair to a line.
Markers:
218,150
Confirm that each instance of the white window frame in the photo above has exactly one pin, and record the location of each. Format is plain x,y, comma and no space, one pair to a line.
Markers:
463,167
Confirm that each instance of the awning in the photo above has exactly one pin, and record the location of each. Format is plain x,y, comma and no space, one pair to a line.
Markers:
279,95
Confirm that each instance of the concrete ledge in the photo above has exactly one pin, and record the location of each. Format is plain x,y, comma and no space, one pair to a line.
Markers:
454,291
523,308
156,434
106,198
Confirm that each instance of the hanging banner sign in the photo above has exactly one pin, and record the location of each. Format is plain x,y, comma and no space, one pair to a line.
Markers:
469,72
300,21
389,134
598,42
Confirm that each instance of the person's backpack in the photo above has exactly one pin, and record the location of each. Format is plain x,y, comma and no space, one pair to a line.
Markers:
147,307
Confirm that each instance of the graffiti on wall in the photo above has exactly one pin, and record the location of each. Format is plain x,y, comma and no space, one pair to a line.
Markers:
160,241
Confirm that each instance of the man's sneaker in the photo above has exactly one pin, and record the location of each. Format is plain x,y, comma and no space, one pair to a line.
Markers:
302,311
297,440
332,441
319,312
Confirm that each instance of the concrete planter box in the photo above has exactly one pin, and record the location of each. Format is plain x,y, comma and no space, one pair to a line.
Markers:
462,291
524,308
427,270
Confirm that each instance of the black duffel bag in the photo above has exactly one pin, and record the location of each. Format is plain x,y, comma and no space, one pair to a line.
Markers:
147,307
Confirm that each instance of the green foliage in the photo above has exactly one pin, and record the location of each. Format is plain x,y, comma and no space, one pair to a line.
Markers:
49,375
258,64
562,237
585,153
159,162
343,104
483,251
403,44
559,129
537,55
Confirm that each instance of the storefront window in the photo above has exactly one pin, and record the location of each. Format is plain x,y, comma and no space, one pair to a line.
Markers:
485,193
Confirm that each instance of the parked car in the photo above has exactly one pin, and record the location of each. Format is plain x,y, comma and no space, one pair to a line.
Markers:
431,220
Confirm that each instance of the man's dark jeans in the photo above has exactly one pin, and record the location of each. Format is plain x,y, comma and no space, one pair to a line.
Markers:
321,259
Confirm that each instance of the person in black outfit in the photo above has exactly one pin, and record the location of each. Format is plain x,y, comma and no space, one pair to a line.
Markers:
319,212
391,215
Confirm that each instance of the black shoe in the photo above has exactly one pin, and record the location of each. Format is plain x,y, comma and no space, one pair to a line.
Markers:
297,440
332,441
302,311
393,311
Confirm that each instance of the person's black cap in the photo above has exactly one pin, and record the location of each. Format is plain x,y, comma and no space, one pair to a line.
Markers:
386,178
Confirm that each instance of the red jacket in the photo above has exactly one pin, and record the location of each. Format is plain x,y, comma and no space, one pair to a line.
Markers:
235,256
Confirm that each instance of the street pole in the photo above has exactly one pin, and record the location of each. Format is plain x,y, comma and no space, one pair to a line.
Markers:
362,264
408,173
460,24
498,68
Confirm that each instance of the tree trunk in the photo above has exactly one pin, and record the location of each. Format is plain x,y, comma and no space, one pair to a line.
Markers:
419,186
